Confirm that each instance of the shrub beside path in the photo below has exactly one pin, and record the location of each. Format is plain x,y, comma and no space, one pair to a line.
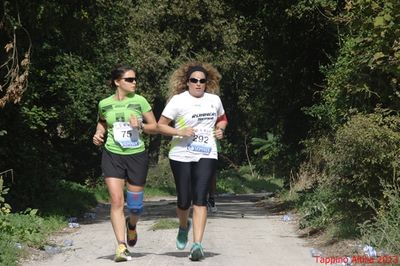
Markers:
242,232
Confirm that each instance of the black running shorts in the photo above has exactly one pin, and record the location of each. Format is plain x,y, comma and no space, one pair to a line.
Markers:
132,167
192,181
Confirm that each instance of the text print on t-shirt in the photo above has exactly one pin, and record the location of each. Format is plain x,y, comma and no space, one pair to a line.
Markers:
204,116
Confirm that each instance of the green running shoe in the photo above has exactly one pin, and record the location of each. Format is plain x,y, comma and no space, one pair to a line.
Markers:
122,254
182,238
196,252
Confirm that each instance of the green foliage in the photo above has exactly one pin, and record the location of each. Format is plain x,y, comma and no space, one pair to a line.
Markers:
68,199
242,181
351,170
36,117
269,148
99,190
26,229
365,153
384,230
365,73
76,43
163,224
324,208
75,46
354,147
159,191
291,49
5,208
9,254
160,176
318,208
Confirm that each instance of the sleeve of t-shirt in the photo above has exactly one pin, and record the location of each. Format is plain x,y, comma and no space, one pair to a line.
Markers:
100,115
220,108
146,107
171,109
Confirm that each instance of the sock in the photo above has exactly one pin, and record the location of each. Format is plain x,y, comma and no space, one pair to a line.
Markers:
131,227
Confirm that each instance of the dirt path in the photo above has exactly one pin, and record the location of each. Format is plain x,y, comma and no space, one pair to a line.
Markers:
240,233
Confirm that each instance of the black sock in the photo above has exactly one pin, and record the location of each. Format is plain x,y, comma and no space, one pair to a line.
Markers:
131,227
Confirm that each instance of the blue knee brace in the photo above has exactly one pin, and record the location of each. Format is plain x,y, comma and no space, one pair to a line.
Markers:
134,202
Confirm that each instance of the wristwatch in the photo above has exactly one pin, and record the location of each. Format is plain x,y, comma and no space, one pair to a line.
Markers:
141,126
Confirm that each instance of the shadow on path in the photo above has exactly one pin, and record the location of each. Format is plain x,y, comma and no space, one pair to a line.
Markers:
229,206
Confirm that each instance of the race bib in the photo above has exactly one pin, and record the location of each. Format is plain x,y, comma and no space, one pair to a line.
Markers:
125,135
202,141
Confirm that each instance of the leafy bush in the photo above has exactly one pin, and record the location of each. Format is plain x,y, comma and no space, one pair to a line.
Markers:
322,209
98,187
5,208
343,175
68,199
268,149
26,229
160,175
318,208
366,70
8,254
384,230
364,154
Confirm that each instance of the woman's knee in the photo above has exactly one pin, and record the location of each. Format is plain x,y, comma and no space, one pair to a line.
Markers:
200,202
117,201
184,204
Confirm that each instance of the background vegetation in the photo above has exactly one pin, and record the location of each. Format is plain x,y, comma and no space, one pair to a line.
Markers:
310,87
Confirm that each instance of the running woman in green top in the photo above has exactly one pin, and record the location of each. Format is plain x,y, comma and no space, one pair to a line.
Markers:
123,117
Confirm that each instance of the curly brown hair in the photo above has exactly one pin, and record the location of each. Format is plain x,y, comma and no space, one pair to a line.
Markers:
178,80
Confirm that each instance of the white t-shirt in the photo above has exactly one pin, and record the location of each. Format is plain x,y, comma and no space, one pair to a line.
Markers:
199,113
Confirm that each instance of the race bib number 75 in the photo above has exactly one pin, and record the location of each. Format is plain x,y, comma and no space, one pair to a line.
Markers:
125,135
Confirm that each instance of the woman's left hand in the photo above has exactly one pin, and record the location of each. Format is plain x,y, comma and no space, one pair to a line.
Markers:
134,122
219,133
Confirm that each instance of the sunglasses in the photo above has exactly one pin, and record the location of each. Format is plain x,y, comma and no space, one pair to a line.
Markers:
194,80
130,80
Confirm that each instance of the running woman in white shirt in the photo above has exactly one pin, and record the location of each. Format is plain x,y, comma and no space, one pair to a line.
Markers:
196,110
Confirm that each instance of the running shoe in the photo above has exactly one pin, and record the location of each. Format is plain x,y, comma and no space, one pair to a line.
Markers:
182,237
196,252
122,253
211,205
131,234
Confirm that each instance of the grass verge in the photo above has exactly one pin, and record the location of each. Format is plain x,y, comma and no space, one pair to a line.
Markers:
163,224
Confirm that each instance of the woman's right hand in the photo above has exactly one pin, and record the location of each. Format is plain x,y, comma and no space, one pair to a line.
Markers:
98,139
185,132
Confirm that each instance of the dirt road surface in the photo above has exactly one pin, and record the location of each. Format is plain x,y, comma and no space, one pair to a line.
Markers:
241,233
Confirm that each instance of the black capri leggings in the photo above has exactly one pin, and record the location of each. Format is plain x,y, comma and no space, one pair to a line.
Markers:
192,181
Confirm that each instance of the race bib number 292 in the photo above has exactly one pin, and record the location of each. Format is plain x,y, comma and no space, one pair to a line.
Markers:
201,142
